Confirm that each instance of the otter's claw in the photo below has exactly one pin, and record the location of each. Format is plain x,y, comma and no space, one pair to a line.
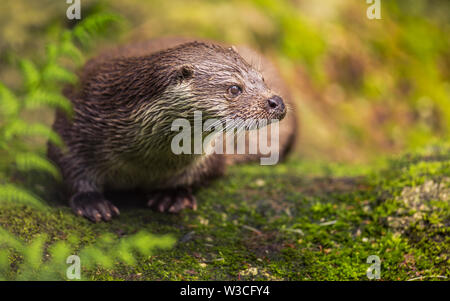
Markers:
172,201
93,206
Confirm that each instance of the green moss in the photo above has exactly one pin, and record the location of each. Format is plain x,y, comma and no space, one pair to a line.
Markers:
294,221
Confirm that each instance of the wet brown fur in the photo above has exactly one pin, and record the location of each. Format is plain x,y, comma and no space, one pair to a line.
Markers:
119,136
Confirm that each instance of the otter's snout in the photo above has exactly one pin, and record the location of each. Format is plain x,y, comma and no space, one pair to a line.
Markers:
276,106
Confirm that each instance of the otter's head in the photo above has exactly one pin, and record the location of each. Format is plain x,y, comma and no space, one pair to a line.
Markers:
218,82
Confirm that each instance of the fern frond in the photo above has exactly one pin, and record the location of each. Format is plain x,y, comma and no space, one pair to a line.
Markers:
67,48
124,253
55,269
9,240
93,256
93,26
21,128
30,73
13,194
145,243
103,253
45,98
33,254
59,251
53,72
4,264
52,52
31,161
9,104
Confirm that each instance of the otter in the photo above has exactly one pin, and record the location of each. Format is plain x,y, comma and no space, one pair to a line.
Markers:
119,134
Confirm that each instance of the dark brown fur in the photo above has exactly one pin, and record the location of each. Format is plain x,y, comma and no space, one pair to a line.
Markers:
119,136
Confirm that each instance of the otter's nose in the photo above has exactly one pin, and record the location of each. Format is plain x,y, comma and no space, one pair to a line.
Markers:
276,103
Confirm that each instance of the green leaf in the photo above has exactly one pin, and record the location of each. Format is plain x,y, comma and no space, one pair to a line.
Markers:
93,26
9,104
93,256
4,264
9,240
68,49
59,251
21,128
31,161
53,72
52,52
13,194
34,252
45,98
30,74
124,253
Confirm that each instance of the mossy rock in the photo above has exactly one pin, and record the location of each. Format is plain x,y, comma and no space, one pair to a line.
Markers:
294,221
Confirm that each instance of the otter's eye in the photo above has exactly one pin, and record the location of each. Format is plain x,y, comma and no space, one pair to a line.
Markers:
234,90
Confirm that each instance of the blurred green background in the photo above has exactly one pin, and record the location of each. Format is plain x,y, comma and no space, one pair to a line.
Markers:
364,90
363,87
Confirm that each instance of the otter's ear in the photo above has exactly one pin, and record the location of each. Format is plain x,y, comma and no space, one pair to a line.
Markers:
185,72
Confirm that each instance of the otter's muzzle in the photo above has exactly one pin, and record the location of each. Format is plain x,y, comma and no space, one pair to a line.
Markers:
275,106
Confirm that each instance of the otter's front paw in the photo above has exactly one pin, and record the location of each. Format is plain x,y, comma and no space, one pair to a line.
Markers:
93,206
172,201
